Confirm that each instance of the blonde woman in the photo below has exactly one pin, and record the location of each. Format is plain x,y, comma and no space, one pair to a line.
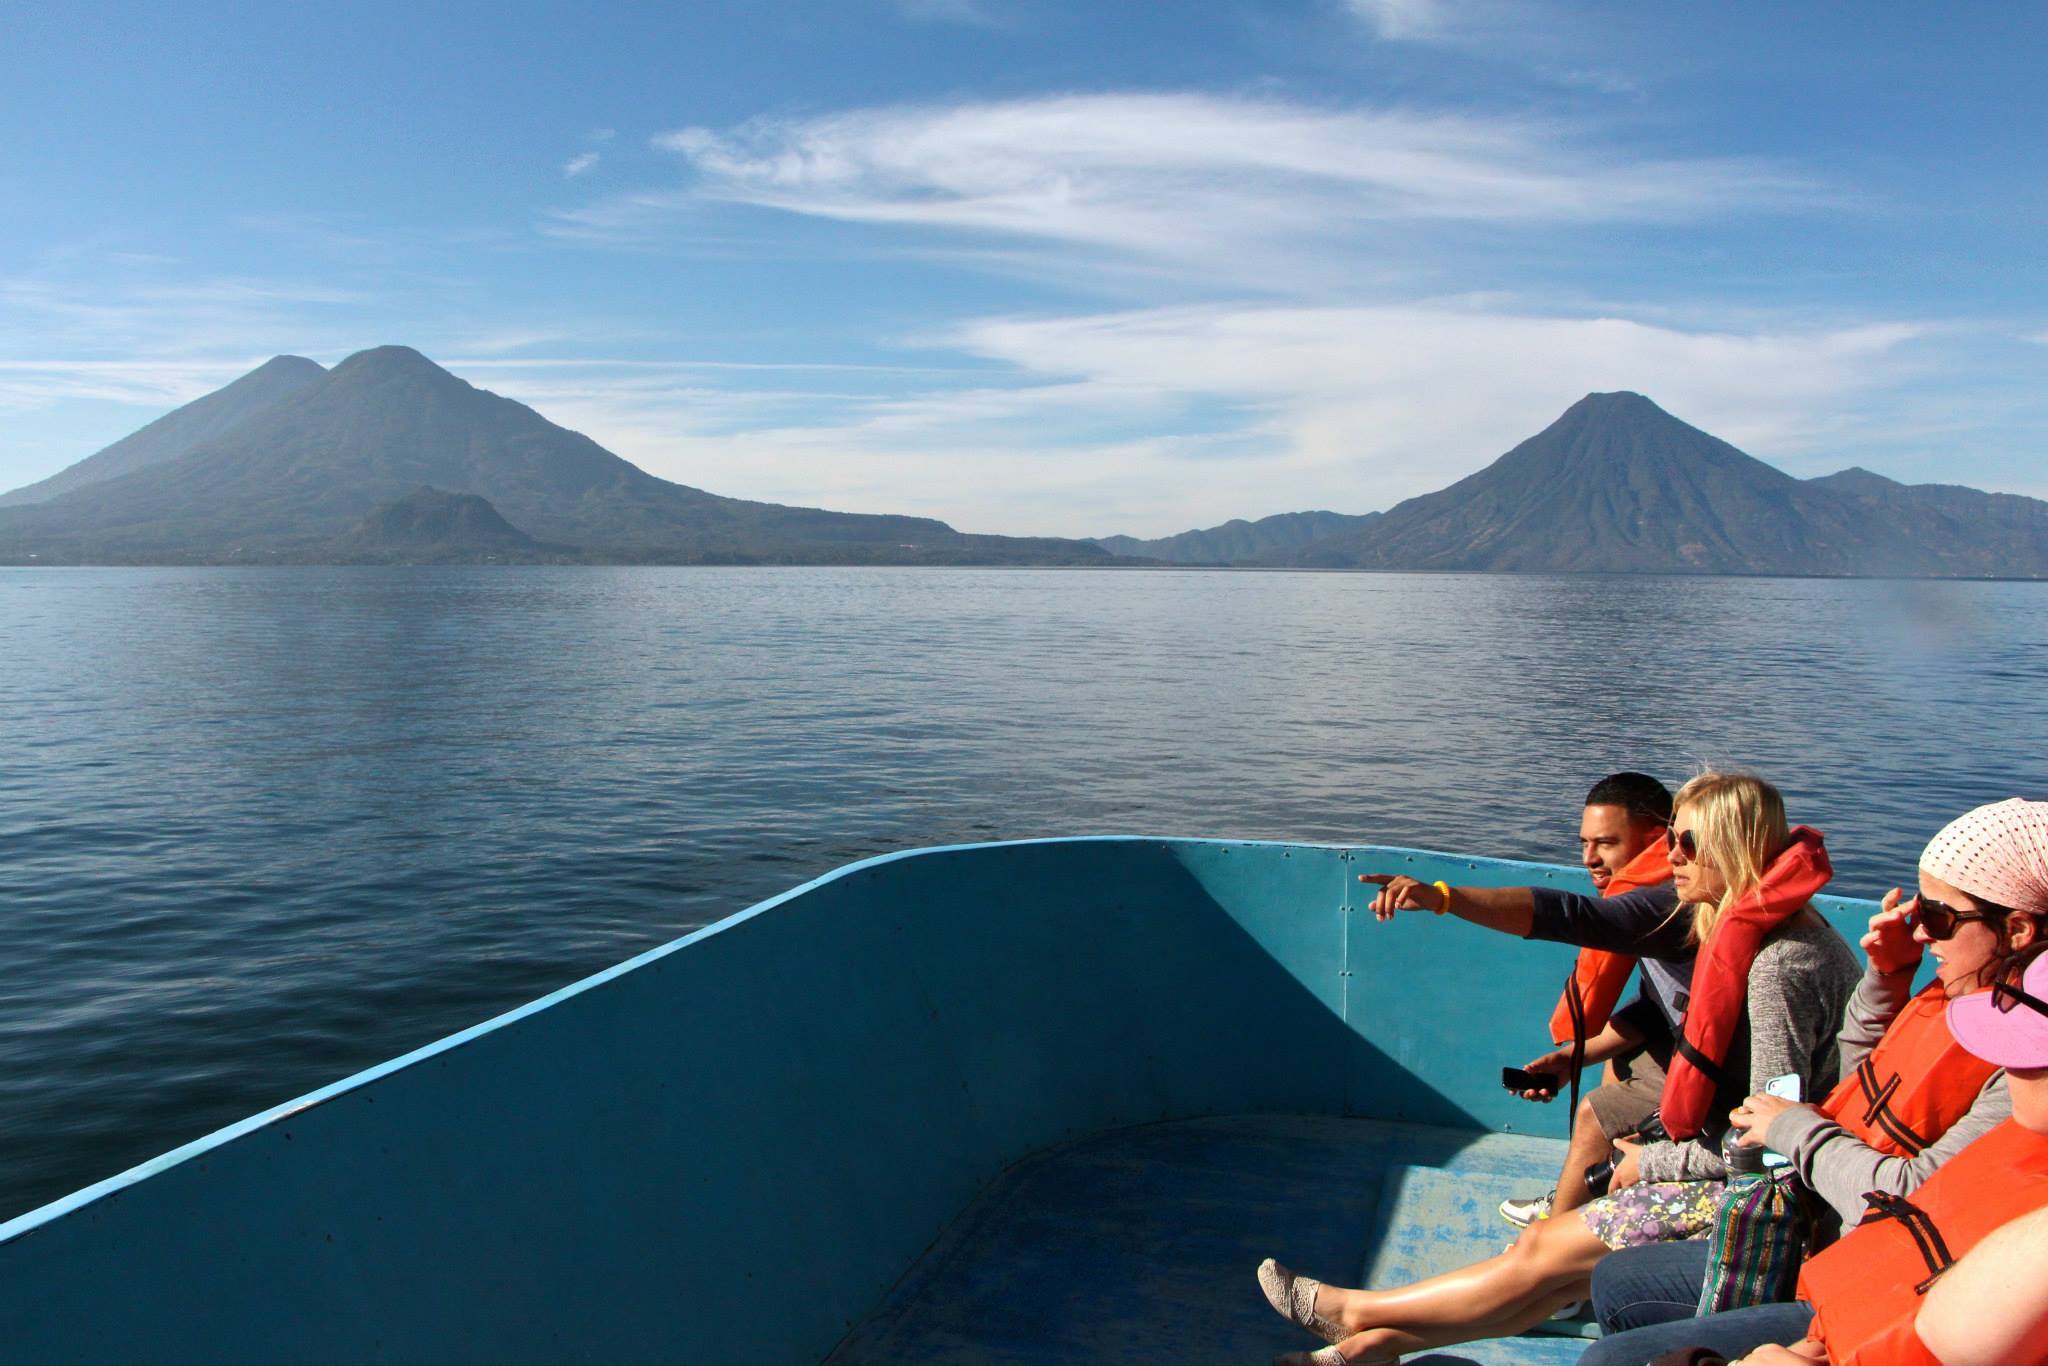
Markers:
1775,978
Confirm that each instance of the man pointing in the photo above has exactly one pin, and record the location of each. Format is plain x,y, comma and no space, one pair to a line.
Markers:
1621,844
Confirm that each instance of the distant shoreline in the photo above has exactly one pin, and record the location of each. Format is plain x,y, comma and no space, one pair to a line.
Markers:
1161,568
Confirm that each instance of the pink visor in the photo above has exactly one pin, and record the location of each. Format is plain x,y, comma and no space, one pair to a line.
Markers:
2016,1036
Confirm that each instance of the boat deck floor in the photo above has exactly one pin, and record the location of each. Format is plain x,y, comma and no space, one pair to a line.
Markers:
1141,1244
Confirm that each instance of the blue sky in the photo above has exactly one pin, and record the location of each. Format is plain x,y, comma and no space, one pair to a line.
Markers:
1039,267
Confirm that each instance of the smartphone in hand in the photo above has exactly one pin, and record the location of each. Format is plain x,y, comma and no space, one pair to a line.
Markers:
1786,1087
1517,1079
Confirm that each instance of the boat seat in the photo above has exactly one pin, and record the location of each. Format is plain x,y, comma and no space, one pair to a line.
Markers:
1141,1244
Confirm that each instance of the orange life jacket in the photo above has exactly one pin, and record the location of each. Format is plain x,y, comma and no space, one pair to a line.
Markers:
1866,1289
1914,1085
1720,977
1600,975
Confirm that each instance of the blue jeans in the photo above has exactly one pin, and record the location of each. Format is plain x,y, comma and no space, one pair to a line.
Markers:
1646,1298
1656,1283
1733,1334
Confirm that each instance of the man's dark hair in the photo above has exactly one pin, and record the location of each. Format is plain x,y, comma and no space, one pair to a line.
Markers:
1643,797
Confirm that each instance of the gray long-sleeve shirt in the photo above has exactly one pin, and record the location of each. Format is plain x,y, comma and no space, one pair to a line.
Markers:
1840,1167
1798,989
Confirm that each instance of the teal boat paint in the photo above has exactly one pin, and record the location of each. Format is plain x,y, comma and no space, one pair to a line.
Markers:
808,1094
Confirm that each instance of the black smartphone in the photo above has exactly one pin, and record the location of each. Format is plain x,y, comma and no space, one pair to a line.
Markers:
1516,1079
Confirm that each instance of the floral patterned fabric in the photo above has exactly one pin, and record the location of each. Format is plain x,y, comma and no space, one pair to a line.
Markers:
1655,1212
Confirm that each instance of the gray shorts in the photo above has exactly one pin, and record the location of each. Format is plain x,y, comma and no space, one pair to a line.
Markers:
1623,1106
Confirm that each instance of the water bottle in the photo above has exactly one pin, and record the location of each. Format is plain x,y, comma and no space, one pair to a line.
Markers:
1743,1162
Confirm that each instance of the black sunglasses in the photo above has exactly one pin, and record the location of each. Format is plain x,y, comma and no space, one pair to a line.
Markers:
2005,994
1681,842
1941,920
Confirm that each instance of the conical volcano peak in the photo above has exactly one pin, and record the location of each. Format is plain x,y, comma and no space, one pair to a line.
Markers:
392,363
388,360
289,365
1619,422
394,370
1613,422
1616,403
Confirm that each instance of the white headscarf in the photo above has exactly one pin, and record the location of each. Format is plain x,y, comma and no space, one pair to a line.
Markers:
1998,853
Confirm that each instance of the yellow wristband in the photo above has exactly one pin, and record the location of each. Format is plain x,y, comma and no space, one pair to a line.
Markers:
1445,888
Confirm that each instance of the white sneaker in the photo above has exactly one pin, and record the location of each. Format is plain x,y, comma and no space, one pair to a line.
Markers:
1522,1213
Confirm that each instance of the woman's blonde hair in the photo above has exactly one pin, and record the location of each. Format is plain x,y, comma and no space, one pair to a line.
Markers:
1738,824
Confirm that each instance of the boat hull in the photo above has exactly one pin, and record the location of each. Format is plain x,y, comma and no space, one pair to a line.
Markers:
805,1094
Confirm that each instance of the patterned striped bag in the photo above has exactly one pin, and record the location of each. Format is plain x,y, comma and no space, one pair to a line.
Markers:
1759,1239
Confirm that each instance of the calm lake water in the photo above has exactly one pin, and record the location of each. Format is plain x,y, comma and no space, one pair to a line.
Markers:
260,828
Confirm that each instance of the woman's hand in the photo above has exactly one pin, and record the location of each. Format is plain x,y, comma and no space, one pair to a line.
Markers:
1399,893
1889,943
1628,1168
1754,1117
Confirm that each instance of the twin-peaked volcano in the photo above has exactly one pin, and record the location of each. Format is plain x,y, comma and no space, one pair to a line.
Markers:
290,480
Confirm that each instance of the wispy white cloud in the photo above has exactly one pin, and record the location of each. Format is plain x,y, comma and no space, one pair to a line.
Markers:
975,13
1533,32
1604,82
499,342
632,216
342,236
146,382
167,318
587,160
1226,183
1367,384
239,293
1547,40
1413,20
685,366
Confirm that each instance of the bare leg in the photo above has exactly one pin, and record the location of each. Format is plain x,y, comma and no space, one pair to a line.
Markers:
1550,1265
1589,1144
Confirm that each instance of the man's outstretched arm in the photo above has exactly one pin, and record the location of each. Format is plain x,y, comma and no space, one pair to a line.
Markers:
1640,923
1511,910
